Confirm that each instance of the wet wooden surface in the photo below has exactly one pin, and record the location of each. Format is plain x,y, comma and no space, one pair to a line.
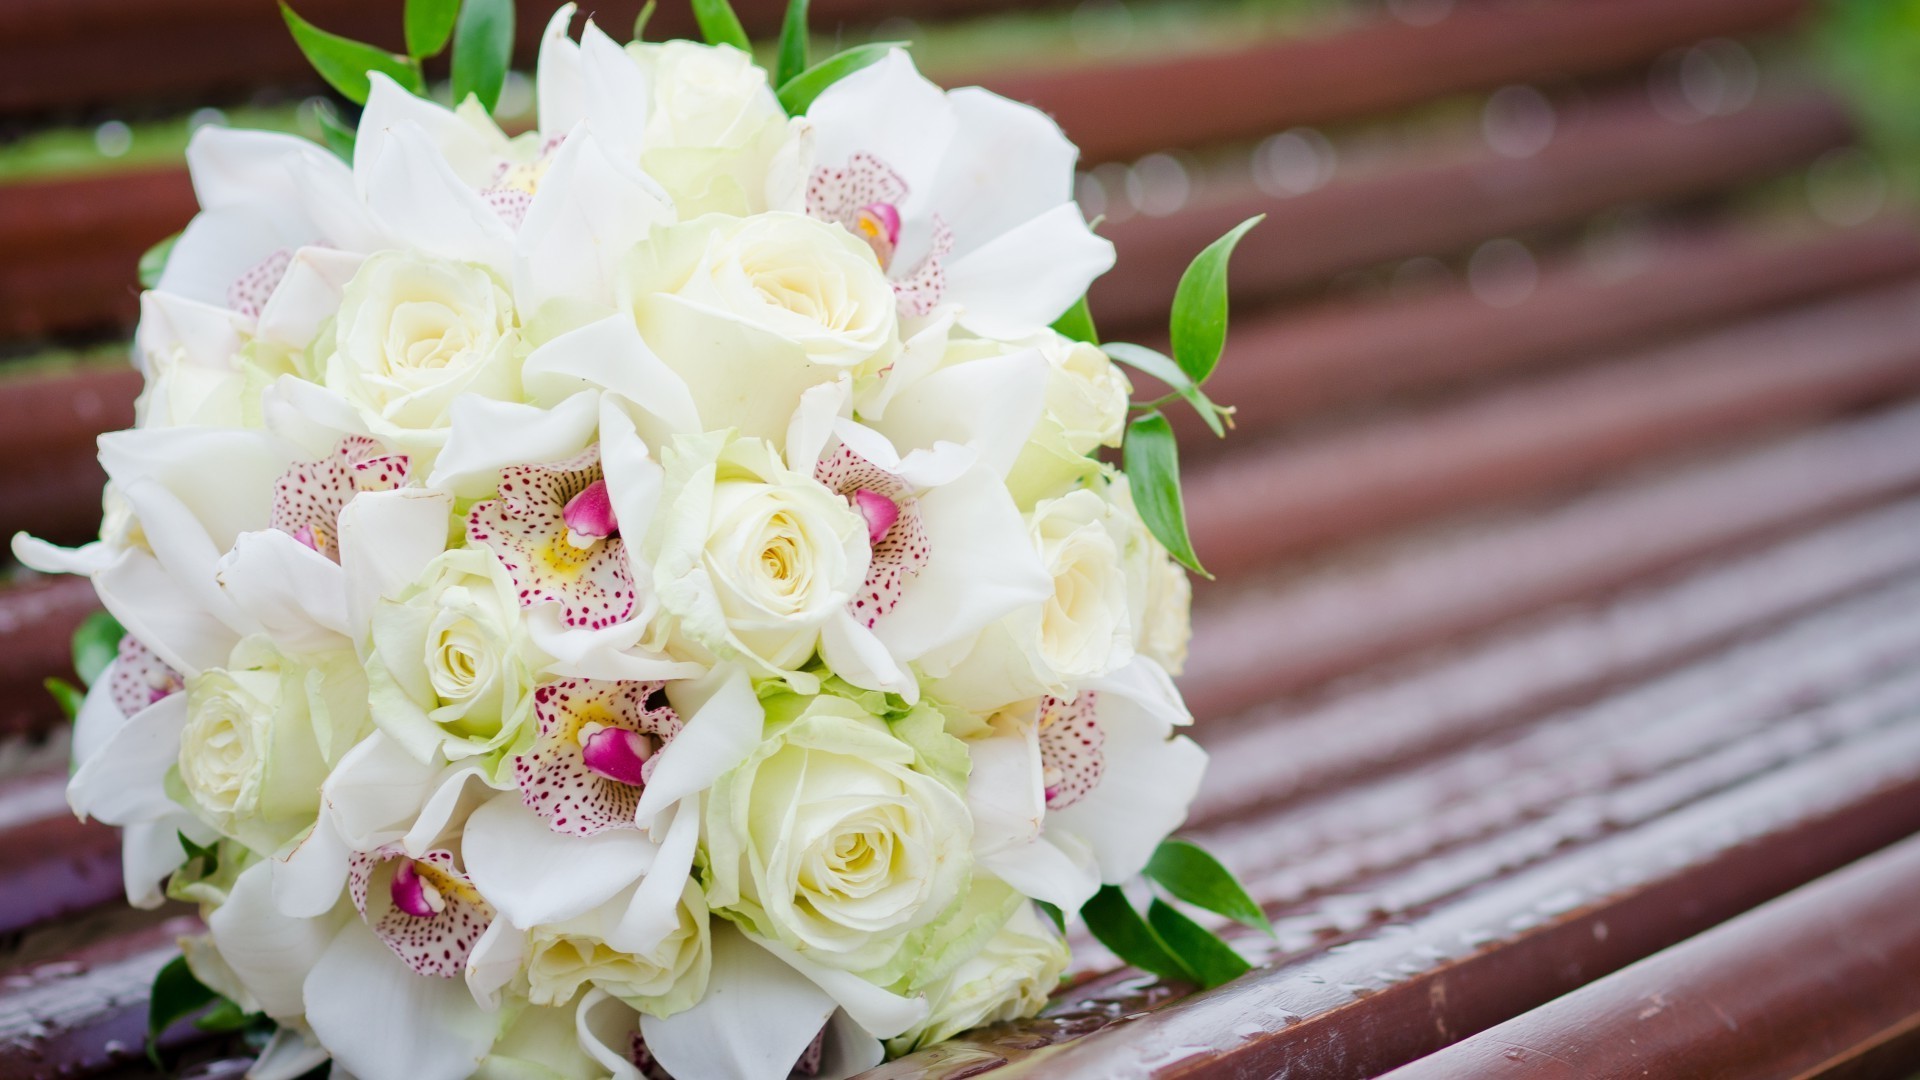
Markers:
1560,632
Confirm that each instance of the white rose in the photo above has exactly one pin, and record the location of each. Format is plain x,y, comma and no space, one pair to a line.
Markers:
1159,595
1083,629
1009,979
670,977
752,311
716,137
831,840
415,332
749,557
1086,408
451,671
261,734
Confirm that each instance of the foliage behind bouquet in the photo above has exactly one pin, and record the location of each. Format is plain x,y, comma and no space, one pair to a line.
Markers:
643,597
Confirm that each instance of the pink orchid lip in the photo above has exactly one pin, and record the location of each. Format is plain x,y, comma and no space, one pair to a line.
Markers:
305,535
879,225
617,754
412,894
589,515
880,512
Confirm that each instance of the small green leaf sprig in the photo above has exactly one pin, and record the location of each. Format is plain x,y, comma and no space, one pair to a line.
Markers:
1198,330
1167,941
178,994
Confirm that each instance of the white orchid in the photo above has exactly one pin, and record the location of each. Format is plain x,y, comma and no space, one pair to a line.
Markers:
1068,795
965,197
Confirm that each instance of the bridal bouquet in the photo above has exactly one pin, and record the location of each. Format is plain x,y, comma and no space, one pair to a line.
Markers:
643,597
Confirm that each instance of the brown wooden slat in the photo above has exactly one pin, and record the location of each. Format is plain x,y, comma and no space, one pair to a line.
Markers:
1119,110
67,248
1302,363
62,54
1259,643
1289,497
37,621
48,428
51,863
1798,987
1488,894
1620,151
1285,751
80,1010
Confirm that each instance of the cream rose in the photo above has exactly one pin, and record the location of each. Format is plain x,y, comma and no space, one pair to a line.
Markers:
750,557
1159,595
672,976
451,670
752,311
833,841
262,733
1081,631
1085,409
716,138
1008,979
412,334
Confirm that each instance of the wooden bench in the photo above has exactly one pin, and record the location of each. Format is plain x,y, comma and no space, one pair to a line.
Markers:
1562,656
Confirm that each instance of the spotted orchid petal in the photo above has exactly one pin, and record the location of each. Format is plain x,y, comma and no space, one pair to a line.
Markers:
1150,775
596,747
426,910
308,497
139,678
1072,758
965,197
587,575
892,513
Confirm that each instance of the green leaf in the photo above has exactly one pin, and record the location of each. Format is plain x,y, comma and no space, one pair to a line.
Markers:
153,262
1152,464
429,25
793,43
1200,306
1212,960
345,63
176,995
1113,921
225,1016
797,93
641,20
482,49
1053,912
209,855
1190,873
338,136
719,25
1161,366
67,695
1077,323
95,643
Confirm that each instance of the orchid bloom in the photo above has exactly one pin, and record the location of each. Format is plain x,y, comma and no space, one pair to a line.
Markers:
965,197
1079,792
425,910
598,744
308,498
553,527
948,555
